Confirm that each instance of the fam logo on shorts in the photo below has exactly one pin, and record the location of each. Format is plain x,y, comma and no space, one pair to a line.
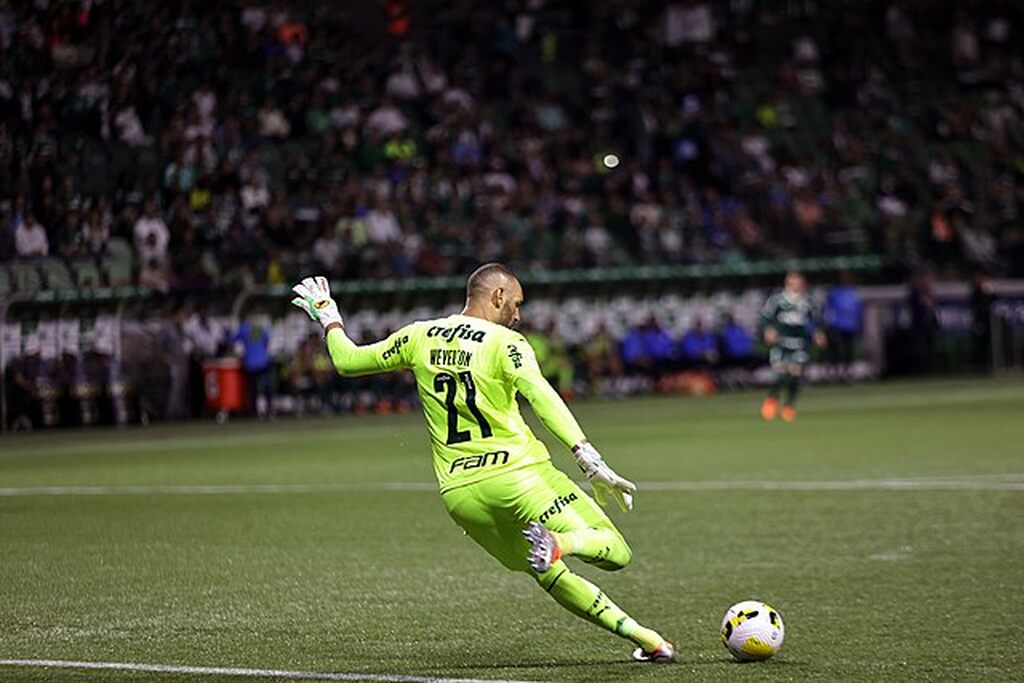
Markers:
559,504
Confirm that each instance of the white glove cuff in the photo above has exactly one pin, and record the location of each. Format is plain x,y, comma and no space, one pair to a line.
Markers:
330,315
588,459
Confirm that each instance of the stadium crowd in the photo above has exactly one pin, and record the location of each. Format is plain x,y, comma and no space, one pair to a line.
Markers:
184,145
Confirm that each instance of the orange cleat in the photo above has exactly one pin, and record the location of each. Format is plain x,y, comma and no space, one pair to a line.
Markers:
544,550
769,408
788,413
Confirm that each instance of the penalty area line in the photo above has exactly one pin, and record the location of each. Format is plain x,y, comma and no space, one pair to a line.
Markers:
241,672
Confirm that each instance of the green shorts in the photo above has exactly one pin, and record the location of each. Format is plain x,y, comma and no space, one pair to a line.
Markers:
494,512
779,355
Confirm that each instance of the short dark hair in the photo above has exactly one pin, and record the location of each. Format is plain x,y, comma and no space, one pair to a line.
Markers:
481,280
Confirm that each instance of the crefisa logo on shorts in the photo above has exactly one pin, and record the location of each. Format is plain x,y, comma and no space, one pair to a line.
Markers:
560,503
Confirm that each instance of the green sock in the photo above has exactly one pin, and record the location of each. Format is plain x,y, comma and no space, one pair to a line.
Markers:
586,600
794,389
781,379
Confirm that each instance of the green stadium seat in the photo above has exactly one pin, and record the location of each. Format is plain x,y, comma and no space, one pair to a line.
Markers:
87,274
26,277
119,262
6,285
118,273
56,274
118,247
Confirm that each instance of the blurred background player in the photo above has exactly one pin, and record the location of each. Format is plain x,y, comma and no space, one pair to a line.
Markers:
496,478
788,328
254,339
843,317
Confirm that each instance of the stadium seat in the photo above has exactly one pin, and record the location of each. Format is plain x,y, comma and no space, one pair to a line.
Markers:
6,286
56,274
118,273
26,277
118,247
119,262
87,274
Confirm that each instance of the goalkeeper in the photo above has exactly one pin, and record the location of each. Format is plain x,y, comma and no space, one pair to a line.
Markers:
497,481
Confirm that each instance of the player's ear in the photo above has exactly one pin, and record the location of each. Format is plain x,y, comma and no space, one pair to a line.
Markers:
498,297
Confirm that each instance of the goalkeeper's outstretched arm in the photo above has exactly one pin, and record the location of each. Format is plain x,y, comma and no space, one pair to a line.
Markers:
352,360
313,296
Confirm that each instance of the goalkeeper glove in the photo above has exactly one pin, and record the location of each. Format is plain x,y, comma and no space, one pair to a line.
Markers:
603,478
314,298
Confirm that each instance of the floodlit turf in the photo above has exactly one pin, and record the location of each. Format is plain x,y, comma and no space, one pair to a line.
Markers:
875,580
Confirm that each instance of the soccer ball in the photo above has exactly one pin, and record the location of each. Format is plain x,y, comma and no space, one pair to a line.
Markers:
752,631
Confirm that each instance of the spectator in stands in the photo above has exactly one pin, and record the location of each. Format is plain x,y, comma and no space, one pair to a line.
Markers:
31,240
254,195
327,250
924,322
151,235
258,365
311,376
843,318
175,348
272,122
386,120
381,223
28,376
65,234
648,349
8,246
93,236
153,275
452,134
203,339
981,321
736,344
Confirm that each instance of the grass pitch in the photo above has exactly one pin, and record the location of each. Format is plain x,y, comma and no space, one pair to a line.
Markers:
887,526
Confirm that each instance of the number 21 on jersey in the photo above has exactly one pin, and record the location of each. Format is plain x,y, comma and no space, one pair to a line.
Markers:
449,385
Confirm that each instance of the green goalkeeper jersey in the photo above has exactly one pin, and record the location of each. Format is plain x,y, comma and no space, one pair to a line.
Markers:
468,372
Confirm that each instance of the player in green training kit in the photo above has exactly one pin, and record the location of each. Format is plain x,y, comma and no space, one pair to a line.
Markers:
787,321
496,477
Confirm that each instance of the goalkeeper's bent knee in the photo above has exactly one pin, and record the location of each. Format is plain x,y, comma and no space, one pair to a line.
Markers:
602,547
619,556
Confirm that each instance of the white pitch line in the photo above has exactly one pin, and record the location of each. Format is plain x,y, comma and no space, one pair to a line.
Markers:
212,489
837,485
233,671
983,482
